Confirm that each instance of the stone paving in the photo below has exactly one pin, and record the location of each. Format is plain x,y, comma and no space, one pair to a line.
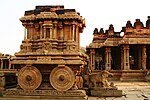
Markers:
131,91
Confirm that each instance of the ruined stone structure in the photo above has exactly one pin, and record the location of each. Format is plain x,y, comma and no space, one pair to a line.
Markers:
126,56
7,74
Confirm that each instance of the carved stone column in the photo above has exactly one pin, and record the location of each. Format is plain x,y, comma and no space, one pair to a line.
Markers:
144,57
127,59
108,58
122,59
126,65
92,59
25,33
139,57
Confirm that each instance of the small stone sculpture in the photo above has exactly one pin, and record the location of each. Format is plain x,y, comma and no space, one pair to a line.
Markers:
79,80
105,75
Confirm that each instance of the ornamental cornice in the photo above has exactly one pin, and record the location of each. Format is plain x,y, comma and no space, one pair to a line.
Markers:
28,17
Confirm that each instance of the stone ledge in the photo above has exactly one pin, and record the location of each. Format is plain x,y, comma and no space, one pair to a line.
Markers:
45,94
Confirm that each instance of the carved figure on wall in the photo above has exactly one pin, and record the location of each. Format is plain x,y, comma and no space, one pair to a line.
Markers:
79,80
46,47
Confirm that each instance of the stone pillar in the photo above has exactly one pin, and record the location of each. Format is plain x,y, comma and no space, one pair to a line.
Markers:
28,32
9,64
55,31
41,30
51,31
127,59
44,32
108,58
92,59
25,33
73,30
122,59
144,57
126,65
139,57
31,31
77,36
1,63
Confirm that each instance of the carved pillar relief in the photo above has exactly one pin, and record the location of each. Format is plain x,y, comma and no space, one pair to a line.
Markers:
41,30
51,31
73,32
55,31
144,57
44,32
108,58
61,30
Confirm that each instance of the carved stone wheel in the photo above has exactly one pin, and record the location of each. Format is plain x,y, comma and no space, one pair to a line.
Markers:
62,78
29,78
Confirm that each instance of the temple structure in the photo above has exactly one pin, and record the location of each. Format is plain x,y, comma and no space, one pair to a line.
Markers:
7,73
4,61
49,55
128,53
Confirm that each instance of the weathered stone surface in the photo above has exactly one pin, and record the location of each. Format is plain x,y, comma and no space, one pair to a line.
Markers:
46,94
106,93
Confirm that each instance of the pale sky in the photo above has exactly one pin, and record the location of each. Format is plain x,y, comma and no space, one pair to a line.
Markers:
97,13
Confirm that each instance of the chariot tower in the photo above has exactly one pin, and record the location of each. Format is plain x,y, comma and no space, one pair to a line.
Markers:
49,55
